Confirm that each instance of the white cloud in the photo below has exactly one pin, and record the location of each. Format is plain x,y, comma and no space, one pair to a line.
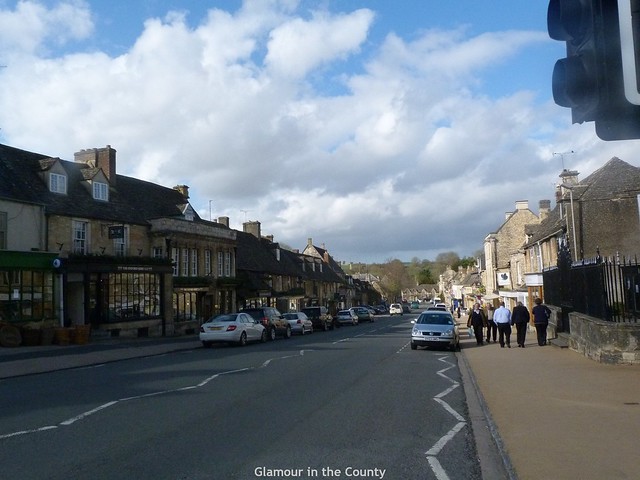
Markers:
234,107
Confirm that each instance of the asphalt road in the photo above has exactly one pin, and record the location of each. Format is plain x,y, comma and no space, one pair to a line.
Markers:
353,403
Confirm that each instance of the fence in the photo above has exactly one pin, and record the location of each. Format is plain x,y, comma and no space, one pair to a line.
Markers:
604,288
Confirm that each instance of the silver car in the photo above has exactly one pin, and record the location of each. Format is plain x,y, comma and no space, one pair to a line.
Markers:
347,317
435,328
299,322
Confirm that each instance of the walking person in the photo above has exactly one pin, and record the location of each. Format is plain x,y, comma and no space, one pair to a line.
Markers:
492,328
502,317
541,314
477,320
520,318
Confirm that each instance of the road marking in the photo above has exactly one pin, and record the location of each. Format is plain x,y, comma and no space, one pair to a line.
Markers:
435,450
100,408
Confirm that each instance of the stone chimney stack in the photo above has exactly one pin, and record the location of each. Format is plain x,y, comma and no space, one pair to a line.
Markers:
253,228
522,205
569,177
184,190
102,158
544,207
224,221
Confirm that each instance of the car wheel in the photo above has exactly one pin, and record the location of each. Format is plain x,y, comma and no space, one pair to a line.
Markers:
325,327
303,331
272,333
263,336
243,339
414,346
206,344
287,332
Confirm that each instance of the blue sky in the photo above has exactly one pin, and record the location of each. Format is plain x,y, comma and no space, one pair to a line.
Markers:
380,129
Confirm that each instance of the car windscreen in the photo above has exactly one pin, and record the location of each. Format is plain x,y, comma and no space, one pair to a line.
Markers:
231,317
435,319
290,316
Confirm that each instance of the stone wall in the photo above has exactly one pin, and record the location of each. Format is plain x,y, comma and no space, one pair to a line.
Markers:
605,342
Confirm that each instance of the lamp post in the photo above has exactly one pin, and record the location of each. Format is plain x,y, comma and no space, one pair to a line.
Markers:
573,220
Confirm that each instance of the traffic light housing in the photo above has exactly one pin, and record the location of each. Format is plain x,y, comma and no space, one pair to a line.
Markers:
598,78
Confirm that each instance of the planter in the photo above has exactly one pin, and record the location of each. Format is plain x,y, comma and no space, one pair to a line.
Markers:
62,336
46,335
10,336
81,334
30,337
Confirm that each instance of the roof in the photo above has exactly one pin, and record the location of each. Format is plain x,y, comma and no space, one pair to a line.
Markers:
131,200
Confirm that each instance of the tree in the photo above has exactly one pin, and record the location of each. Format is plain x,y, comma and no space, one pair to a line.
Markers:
394,278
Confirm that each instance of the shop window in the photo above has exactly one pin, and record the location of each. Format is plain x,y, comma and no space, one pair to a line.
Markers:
132,296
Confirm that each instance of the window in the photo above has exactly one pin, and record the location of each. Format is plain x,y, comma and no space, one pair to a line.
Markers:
57,183
207,262
220,264
121,245
3,230
194,262
176,258
227,264
157,252
80,237
100,191
184,271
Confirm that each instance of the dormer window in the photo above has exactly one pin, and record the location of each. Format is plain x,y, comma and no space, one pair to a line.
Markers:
100,191
57,183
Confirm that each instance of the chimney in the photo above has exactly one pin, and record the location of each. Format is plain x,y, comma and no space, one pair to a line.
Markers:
522,205
184,190
544,207
269,237
252,227
102,158
224,221
569,177
309,242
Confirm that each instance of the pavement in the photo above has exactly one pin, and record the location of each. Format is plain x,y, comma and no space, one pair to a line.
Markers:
537,412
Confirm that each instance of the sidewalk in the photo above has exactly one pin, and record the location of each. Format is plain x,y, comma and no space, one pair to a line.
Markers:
555,414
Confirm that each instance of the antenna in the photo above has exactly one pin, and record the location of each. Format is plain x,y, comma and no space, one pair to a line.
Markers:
562,156
245,214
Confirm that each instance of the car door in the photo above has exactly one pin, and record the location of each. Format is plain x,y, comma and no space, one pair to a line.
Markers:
250,326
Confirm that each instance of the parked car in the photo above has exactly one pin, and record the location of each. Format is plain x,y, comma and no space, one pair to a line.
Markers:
363,313
320,317
406,308
439,306
435,328
395,309
381,309
239,328
272,320
415,305
299,322
347,317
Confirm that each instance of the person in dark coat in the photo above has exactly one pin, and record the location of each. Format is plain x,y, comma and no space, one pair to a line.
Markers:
477,320
541,315
520,318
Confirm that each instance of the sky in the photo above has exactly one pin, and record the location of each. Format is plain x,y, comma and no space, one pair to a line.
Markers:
379,129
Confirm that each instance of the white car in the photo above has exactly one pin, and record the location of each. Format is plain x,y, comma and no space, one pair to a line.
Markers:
395,309
239,328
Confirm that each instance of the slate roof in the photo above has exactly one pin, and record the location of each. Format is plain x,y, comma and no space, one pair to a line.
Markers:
131,200
614,179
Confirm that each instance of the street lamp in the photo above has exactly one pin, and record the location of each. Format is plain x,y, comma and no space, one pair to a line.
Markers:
573,220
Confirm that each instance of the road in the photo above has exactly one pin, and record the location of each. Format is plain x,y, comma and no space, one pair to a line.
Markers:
356,402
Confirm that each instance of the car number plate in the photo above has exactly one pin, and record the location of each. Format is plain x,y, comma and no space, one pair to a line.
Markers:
215,328
431,339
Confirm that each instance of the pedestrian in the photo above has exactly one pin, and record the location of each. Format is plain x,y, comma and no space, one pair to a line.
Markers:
541,314
502,317
458,311
520,318
492,328
477,320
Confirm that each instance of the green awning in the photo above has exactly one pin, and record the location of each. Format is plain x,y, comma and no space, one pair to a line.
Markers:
27,260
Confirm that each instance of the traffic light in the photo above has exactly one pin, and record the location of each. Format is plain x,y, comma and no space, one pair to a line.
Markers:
598,78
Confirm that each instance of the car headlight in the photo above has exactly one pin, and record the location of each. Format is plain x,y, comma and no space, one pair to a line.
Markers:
448,333
415,331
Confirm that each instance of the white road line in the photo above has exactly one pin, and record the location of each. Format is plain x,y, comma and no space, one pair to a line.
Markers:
88,413
435,450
